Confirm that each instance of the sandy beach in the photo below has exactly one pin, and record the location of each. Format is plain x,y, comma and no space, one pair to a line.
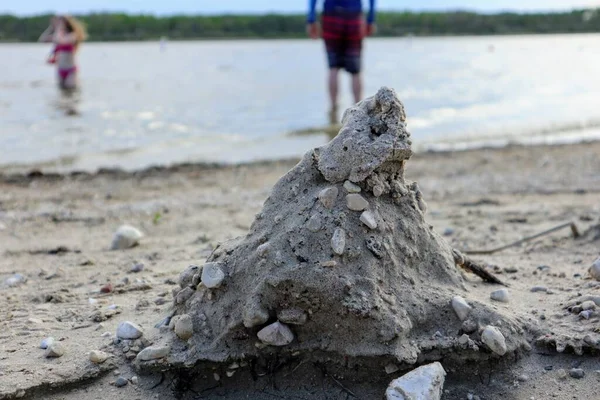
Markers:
56,230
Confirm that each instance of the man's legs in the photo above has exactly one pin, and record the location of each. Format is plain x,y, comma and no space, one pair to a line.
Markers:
357,87
333,94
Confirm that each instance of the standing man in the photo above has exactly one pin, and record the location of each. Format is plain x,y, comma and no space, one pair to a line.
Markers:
343,29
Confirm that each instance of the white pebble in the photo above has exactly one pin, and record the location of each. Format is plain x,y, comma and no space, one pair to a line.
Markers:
338,241
153,353
461,307
328,196
501,295
98,357
595,270
46,342
55,350
126,237
129,330
356,202
212,275
276,334
351,187
184,327
368,219
494,339
314,223
423,383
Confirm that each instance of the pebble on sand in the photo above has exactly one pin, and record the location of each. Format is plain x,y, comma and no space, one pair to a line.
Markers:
153,353
368,219
577,373
120,382
126,237
212,275
55,350
98,357
15,280
184,327
351,187
137,267
338,241
461,307
595,270
356,202
501,295
46,342
423,383
494,339
536,289
276,334
129,330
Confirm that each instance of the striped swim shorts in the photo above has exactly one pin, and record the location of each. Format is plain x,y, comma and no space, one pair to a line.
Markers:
343,37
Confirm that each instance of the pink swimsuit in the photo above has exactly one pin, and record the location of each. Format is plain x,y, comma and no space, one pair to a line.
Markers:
64,73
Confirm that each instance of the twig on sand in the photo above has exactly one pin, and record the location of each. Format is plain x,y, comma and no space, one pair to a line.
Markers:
464,262
572,225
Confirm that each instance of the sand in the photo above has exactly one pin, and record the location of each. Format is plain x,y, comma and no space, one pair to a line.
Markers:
56,230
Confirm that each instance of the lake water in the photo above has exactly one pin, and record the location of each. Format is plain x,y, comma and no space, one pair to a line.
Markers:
234,101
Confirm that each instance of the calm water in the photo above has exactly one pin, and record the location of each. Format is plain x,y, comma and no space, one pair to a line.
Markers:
233,101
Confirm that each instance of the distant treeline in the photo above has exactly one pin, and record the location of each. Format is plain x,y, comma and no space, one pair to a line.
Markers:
109,26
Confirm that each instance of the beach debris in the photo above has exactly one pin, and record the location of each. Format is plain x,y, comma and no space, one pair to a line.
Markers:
366,304
153,353
184,327
423,383
494,339
595,270
465,262
46,342
129,330
461,307
126,237
15,280
212,275
574,232
276,334
501,295
54,350
98,357
106,288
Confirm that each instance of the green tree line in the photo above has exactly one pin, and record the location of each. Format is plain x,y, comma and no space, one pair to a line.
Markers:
114,26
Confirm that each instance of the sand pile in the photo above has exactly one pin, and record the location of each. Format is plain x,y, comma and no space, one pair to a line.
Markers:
340,265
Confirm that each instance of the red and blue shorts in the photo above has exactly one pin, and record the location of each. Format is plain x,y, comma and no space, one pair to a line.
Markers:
343,35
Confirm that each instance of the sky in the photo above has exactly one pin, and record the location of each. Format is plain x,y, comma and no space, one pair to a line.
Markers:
166,7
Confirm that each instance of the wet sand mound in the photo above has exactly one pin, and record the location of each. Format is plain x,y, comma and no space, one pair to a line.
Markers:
339,266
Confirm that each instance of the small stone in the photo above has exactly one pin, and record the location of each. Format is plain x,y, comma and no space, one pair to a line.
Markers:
328,196
338,241
55,350
548,367
448,232
255,316
464,339
368,219
501,295
186,277
523,378
356,202
129,330
216,377
351,187
588,305
137,267
494,339
135,380
292,316
391,368
576,373
562,374
330,263
183,295
229,373
126,237
159,301
46,342
276,334
536,289
153,353
314,223
263,249
120,382
15,280
98,357
377,191
107,288
461,307
595,270
184,327
212,275
423,383
469,326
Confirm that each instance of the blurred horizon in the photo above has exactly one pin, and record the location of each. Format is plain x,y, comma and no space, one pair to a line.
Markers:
205,7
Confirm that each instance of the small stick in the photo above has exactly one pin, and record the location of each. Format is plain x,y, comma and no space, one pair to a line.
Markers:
574,230
462,261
